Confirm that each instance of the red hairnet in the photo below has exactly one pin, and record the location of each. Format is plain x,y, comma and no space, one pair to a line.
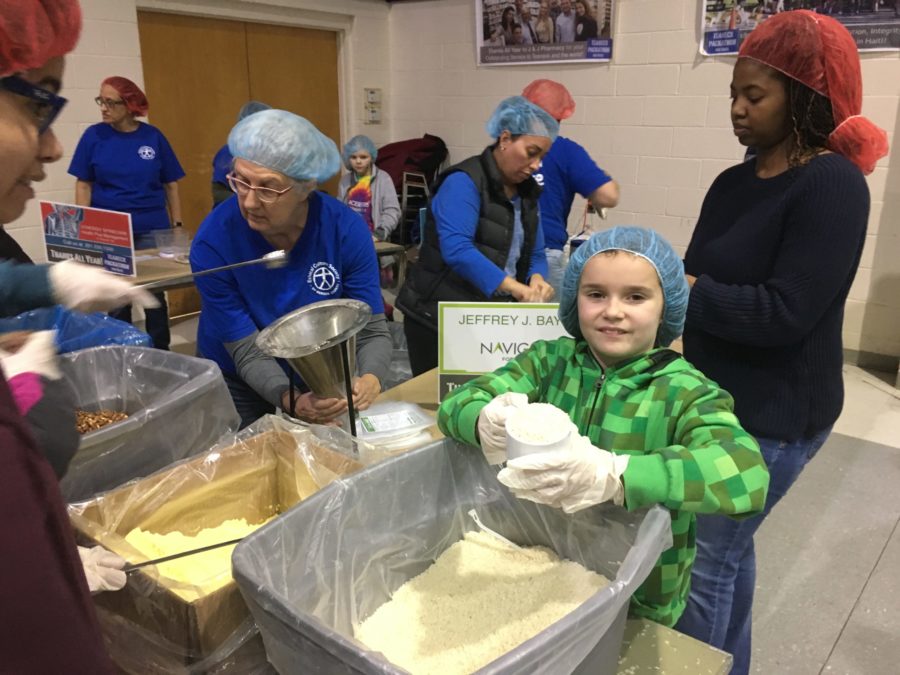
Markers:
135,100
34,31
819,52
552,97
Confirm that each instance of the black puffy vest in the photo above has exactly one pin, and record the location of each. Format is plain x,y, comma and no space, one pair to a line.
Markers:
431,280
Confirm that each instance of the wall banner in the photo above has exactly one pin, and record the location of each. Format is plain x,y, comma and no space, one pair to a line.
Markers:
874,24
543,31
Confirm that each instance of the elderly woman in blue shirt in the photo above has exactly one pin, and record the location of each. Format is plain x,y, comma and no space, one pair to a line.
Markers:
279,160
482,240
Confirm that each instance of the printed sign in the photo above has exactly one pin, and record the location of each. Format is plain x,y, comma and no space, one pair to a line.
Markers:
476,338
536,31
91,236
874,24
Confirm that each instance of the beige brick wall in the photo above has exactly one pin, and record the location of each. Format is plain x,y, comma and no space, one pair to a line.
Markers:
656,118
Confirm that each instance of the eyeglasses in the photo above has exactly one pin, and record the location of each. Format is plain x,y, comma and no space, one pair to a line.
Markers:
264,194
108,102
45,105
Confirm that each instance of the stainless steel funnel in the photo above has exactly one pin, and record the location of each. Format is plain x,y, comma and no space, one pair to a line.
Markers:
310,340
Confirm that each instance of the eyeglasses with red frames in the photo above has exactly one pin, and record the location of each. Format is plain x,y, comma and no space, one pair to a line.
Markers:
108,102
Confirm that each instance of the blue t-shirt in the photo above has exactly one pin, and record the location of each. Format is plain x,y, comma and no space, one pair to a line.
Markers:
128,171
456,208
222,165
567,169
333,258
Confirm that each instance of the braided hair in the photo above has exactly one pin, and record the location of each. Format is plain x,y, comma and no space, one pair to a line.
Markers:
812,120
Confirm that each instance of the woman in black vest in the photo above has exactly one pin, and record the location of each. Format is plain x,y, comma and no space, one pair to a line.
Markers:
482,239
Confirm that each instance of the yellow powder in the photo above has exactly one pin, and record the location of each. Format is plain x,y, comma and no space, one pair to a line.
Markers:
479,600
203,572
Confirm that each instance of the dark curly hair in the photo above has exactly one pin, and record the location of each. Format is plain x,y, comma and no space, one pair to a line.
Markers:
812,119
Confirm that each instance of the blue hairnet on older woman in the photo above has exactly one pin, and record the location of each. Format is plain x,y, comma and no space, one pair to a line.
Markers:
287,143
651,247
482,237
280,158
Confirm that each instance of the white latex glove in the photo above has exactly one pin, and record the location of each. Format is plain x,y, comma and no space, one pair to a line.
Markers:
571,479
36,355
90,289
492,425
102,568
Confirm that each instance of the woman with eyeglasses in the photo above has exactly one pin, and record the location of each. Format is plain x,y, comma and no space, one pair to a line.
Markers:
280,158
123,164
50,625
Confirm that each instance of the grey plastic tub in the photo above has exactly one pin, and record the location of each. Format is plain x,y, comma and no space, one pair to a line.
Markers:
177,405
327,564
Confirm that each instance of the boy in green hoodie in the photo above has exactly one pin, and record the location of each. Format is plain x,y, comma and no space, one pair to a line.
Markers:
654,430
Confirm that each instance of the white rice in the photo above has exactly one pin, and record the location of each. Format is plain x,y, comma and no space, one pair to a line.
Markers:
479,600
538,424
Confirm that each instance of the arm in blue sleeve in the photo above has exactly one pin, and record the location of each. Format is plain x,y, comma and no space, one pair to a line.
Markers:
24,287
170,169
456,208
539,255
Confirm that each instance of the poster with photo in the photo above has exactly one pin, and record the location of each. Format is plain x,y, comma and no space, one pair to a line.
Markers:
543,31
874,24
90,236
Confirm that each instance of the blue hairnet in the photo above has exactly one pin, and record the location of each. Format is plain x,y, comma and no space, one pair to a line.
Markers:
650,246
518,115
251,107
282,141
357,144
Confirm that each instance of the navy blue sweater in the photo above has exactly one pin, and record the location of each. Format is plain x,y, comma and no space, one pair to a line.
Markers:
774,259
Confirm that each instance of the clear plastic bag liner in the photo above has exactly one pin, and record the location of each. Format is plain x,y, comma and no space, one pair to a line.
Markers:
177,406
325,566
254,474
75,330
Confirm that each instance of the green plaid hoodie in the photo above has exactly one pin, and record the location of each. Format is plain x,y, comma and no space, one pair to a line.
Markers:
688,451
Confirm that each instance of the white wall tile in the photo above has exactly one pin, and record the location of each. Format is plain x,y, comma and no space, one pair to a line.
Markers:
673,47
632,48
675,111
647,16
669,172
643,199
705,77
706,144
644,141
614,110
644,80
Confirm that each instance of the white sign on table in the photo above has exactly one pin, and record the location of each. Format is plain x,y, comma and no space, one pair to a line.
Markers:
479,337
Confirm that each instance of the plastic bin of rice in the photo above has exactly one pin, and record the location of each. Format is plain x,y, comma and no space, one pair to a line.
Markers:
320,570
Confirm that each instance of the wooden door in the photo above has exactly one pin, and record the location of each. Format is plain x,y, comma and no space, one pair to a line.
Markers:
296,69
198,72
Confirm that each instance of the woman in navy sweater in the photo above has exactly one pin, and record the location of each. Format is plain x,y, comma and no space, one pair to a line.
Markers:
770,263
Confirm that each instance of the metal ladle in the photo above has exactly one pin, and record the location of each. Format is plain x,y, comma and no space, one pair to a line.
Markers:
272,261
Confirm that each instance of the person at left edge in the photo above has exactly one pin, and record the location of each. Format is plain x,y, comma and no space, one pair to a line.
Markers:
280,158
122,164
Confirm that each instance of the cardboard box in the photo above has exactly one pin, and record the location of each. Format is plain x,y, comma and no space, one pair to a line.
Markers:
148,627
